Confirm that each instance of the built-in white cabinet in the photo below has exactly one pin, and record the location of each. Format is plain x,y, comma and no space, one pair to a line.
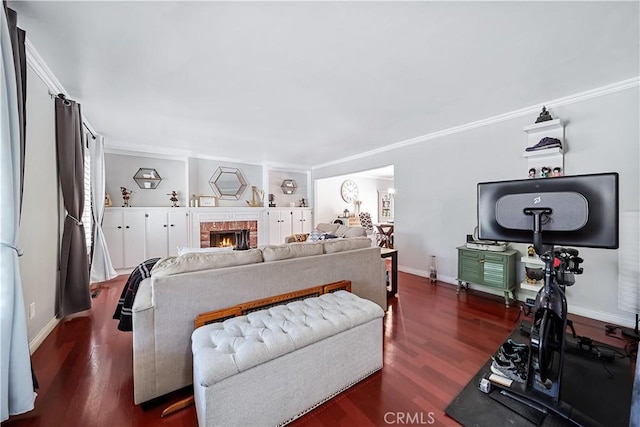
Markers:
280,224
137,234
166,230
283,222
124,231
302,220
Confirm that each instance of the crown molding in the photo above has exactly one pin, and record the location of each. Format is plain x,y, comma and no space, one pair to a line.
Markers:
37,64
534,109
42,70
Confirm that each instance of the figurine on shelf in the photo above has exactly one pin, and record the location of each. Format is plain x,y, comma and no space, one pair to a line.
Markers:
173,198
531,251
303,203
126,195
257,197
272,201
532,173
545,171
556,171
544,116
107,200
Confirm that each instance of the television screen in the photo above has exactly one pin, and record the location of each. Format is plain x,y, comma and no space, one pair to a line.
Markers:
580,210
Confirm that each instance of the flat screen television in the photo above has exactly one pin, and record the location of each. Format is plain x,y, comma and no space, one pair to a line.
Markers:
579,210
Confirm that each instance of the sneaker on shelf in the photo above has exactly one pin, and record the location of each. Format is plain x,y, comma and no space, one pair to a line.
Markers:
546,142
508,370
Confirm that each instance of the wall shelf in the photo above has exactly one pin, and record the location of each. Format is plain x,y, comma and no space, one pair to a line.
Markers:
549,157
147,178
547,152
548,126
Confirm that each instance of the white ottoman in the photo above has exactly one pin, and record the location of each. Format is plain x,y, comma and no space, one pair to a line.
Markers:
272,366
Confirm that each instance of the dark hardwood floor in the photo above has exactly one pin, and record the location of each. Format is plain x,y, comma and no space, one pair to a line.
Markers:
434,343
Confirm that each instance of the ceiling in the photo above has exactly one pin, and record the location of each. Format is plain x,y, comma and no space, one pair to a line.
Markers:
306,83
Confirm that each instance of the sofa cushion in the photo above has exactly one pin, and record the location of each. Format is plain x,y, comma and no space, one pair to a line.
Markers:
341,245
291,250
186,250
355,232
205,261
327,228
342,230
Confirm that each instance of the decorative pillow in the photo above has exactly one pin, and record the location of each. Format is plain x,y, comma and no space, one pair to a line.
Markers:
300,237
291,250
315,235
341,245
205,261
185,250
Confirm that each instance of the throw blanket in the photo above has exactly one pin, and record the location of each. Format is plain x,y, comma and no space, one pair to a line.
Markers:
125,303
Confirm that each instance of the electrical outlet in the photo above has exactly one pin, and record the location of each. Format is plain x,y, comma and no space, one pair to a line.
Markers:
32,310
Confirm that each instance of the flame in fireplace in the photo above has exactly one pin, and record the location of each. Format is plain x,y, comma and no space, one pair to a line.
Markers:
226,241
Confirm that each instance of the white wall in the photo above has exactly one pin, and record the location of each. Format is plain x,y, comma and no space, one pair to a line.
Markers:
329,199
120,169
39,223
435,182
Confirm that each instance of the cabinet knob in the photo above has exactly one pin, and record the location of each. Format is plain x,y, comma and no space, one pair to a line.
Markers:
126,226
164,225
172,225
119,226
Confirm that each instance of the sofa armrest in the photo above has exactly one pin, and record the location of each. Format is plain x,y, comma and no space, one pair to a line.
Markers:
144,296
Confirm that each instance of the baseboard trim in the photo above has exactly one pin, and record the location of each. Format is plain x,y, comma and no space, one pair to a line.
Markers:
602,316
42,335
573,309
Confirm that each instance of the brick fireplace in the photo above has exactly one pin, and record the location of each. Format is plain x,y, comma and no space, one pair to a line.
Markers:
222,233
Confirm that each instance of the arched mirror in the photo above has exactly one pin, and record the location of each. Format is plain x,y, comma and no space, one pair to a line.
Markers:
228,183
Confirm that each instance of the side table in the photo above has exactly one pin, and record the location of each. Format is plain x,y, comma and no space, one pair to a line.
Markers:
393,254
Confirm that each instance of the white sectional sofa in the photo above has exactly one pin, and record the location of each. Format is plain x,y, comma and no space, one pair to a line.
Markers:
182,287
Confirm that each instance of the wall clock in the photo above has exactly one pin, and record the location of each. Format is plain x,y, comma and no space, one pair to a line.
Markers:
349,191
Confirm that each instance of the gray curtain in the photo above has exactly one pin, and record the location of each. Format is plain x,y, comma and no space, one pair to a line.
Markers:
73,289
18,36
16,387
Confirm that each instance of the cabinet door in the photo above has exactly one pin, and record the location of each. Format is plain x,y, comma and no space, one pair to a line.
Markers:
178,231
494,270
470,266
286,224
134,234
273,220
114,235
301,221
307,221
157,232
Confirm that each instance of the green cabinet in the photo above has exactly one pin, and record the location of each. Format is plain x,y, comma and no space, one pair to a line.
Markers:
493,269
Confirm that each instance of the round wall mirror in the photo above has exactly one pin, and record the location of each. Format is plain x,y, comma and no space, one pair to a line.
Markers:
228,183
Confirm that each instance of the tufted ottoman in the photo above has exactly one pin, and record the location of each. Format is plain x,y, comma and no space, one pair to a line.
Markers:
272,366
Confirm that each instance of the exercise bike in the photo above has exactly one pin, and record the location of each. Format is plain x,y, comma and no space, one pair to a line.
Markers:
548,329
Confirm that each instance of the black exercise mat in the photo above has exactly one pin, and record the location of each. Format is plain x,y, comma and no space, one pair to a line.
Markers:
602,394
